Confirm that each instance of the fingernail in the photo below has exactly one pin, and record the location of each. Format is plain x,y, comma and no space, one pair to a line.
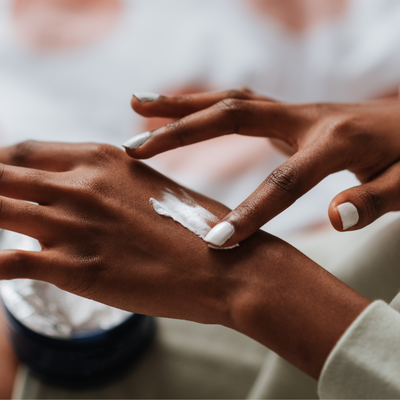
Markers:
146,97
136,141
223,248
220,233
349,215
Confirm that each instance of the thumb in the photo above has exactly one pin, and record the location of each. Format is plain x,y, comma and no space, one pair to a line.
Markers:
359,206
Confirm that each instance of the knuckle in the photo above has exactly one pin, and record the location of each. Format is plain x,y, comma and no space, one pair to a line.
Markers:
100,152
230,105
92,188
348,133
343,126
232,110
246,90
322,108
99,186
2,170
87,271
19,258
240,93
179,135
373,203
36,176
285,180
21,151
17,266
344,130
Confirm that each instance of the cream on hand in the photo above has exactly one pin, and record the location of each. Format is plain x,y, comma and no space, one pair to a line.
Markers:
187,212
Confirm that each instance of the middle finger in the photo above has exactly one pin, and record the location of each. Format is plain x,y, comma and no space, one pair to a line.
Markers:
246,117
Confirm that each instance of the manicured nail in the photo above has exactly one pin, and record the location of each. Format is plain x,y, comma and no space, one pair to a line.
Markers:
146,97
349,215
223,248
220,234
136,141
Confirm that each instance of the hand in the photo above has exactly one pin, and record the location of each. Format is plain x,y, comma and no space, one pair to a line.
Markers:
102,239
100,236
324,138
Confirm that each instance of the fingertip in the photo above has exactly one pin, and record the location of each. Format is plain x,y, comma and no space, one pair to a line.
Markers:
343,215
138,154
146,97
334,217
134,102
142,103
223,247
239,225
348,215
136,141
129,152
220,234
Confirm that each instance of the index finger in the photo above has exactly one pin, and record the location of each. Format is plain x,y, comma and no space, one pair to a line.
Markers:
230,116
278,191
154,105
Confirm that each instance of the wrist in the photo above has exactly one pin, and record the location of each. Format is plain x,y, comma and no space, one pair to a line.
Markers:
292,305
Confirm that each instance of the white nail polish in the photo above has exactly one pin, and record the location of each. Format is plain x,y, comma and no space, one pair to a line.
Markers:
136,141
349,215
220,233
146,97
223,248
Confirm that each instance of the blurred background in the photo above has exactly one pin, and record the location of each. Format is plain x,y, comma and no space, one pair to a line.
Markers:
68,69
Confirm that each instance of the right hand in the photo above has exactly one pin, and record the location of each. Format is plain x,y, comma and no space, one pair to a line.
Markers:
324,138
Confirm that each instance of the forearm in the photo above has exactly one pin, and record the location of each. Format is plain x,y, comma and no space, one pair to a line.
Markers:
294,307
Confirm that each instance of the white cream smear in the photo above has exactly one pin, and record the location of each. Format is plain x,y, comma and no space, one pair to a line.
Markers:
187,212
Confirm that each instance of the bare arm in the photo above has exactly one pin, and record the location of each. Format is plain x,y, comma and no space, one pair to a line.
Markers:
102,239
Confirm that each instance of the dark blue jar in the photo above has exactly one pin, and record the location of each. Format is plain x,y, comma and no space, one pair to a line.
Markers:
85,360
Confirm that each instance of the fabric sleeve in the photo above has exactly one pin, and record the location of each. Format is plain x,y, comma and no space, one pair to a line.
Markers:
365,363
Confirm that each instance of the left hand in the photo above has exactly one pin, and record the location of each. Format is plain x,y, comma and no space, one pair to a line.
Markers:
100,236
102,239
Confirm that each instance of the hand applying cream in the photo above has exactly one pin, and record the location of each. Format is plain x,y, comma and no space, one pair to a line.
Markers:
220,234
321,139
193,217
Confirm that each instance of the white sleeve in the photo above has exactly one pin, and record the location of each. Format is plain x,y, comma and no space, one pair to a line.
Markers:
365,363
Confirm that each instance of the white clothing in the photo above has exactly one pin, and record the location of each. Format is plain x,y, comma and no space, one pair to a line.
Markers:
365,363
369,261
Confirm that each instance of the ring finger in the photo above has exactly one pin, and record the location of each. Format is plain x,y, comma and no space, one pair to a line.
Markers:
25,218
26,184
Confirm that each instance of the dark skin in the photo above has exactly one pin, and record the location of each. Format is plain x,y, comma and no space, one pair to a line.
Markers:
322,139
8,361
101,239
